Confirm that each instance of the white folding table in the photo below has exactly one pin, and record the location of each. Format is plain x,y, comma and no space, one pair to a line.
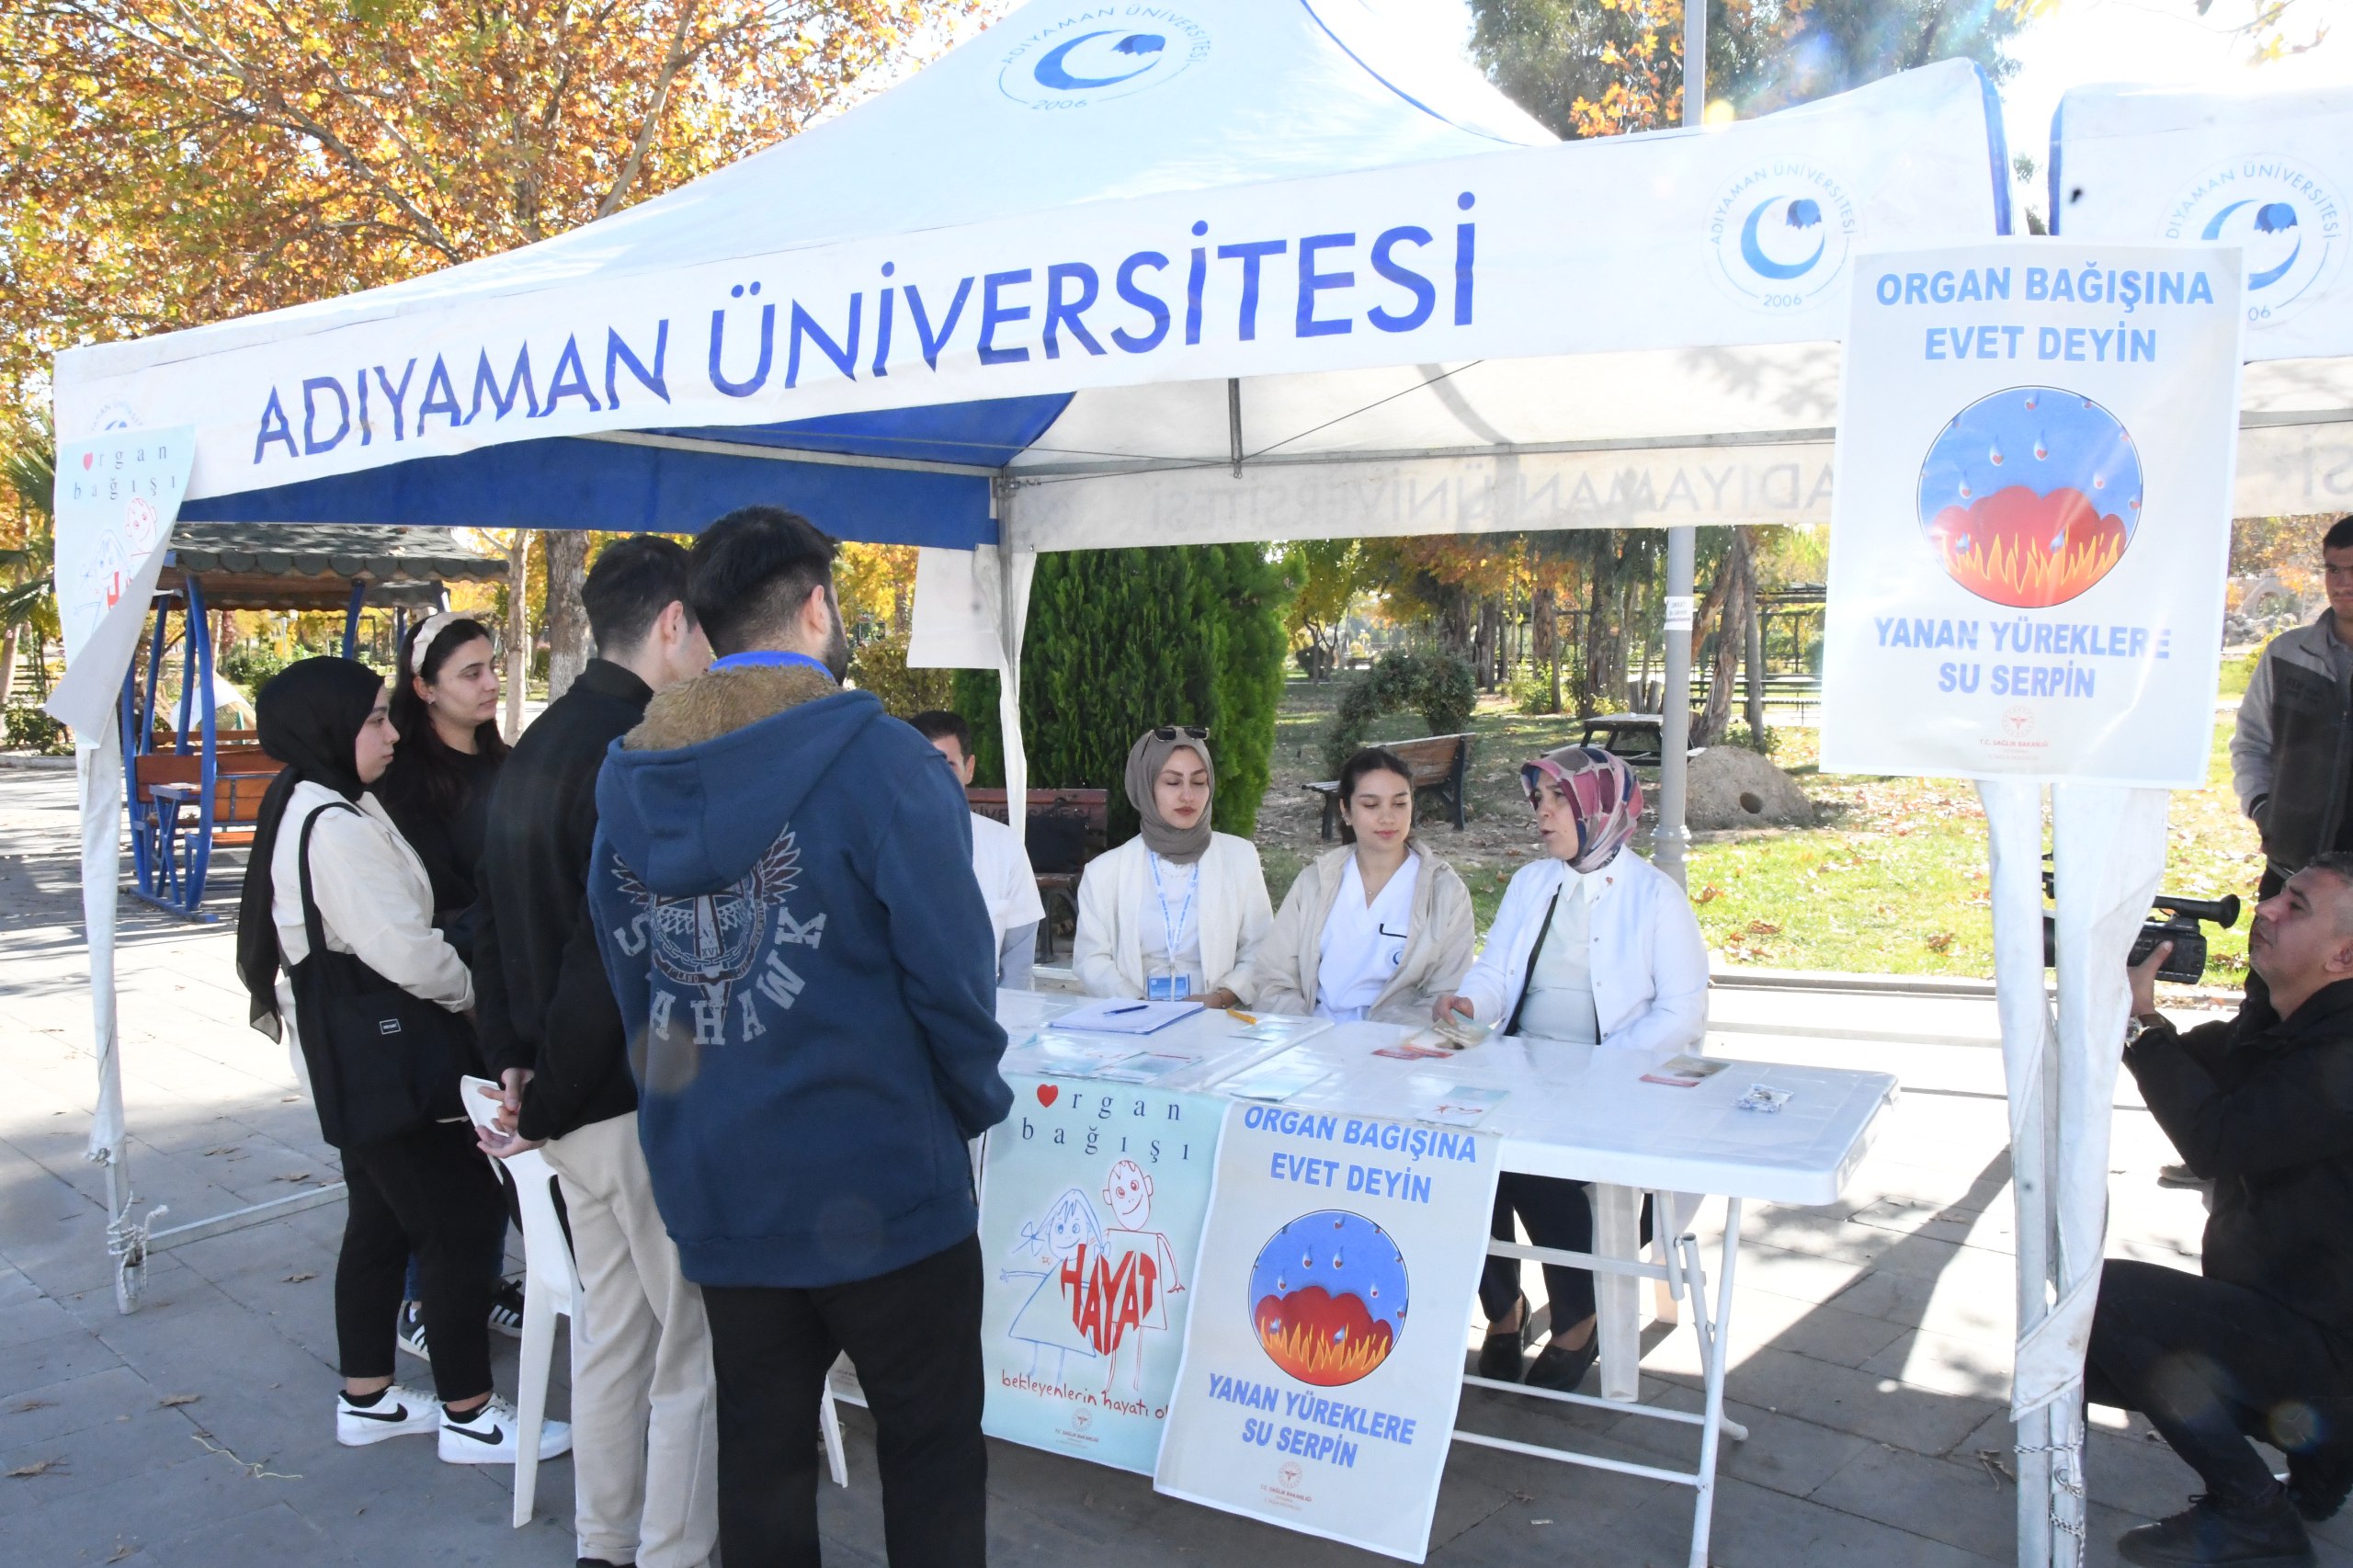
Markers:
1582,1113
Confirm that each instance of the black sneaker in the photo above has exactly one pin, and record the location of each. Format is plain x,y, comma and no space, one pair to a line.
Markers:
2208,1535
507,1309
408,1331
2319,1479
1500,1353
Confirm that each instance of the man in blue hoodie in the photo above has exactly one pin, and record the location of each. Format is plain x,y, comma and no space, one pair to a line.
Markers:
784,896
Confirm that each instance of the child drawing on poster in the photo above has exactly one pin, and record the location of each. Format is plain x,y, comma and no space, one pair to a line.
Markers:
1143,1271
1068,1231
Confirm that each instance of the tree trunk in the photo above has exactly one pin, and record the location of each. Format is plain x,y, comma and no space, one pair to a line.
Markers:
8,663
1755,663
518,631
569,644
1732,595
1454,622
1544,637
1482,643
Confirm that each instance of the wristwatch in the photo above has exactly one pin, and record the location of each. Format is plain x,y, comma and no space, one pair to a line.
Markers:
2140,1024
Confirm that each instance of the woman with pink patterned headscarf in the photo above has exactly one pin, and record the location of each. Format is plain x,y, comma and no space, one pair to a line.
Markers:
1593,950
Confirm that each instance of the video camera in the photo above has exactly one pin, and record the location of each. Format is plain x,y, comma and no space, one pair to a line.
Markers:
2187,962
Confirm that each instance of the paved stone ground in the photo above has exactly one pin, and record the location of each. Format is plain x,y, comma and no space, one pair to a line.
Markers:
1872,1339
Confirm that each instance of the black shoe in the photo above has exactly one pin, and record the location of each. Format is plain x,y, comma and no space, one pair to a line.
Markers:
2209,1535
2319,1479
506,1308
1500,1353
600,1562
1561,1368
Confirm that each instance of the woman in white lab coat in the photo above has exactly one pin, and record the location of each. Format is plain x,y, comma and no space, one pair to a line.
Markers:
1593,946
1178,911
1380,928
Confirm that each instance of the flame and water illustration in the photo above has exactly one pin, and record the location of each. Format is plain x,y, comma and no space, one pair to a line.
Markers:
1328,1297
2030,495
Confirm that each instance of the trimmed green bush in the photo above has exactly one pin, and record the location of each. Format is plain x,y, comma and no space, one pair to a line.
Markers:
879,664
1120,641
1440,686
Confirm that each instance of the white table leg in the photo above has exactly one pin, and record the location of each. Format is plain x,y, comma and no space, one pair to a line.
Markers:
1617,1222
1714,1347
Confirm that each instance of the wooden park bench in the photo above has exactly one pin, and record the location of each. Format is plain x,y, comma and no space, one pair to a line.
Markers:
1066,829
1441,764
167,806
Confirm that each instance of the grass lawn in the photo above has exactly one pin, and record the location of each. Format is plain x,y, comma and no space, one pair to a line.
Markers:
1894,882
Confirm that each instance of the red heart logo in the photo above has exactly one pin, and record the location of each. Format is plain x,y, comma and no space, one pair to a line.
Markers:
87,458
1048,1093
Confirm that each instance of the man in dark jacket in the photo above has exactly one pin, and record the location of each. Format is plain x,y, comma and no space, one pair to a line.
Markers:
2260,1342
644,1476
2292,755
784,893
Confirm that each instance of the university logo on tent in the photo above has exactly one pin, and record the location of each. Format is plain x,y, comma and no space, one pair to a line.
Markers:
2290,219
1781,232
1094,53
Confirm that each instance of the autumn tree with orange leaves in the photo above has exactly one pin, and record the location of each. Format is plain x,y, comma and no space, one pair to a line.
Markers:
169,163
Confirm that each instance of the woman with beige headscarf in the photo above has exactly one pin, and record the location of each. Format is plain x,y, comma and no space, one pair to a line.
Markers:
1178,911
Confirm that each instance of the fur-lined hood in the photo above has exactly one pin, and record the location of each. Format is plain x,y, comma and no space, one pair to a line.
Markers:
720,701
720,768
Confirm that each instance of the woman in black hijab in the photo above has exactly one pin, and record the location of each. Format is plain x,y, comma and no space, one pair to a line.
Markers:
426,1188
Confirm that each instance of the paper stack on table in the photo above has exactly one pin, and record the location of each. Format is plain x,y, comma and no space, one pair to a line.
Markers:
1276,1078
1284,1028
1118,1016
1453,1105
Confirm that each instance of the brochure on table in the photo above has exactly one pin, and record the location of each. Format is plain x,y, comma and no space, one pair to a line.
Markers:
1092,1200
1323,1353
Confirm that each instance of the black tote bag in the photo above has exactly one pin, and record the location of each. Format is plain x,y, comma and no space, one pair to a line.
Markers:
382,1061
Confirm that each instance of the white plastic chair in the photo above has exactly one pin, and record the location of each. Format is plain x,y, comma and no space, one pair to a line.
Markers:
552,1286
550,1289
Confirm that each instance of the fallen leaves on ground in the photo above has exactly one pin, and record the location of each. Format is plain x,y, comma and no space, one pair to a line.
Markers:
39,1467
299,1278
174,1401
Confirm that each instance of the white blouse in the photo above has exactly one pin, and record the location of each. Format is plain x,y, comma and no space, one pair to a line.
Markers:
1170,920
1559,1001
1363,943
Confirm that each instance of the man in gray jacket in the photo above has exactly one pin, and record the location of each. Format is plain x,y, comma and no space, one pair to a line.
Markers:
2291,758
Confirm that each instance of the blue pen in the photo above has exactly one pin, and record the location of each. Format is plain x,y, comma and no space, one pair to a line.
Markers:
1130,1007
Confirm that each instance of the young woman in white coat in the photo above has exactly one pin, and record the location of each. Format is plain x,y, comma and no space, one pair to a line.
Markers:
426,1189
1178,911
1593,946
1380,928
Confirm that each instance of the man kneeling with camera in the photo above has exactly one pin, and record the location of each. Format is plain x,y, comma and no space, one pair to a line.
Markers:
2260,1343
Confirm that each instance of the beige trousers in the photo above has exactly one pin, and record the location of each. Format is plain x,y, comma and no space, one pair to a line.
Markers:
644,1436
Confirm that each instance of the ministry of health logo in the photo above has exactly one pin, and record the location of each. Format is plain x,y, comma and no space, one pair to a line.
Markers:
1781,232
1094,53
2290,219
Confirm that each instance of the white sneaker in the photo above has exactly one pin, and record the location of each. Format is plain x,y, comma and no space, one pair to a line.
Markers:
408,1330
400,1411
489,1436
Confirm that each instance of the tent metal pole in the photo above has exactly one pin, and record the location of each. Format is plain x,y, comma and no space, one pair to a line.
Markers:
1672,839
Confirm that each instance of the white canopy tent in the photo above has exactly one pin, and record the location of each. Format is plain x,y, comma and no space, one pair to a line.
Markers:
1251,270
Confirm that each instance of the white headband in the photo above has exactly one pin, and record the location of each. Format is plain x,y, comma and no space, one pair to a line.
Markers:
431,627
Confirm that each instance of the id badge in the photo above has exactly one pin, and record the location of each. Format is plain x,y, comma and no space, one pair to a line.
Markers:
1168,987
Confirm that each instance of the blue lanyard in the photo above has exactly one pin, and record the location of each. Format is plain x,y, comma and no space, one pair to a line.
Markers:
769,657
1168,932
